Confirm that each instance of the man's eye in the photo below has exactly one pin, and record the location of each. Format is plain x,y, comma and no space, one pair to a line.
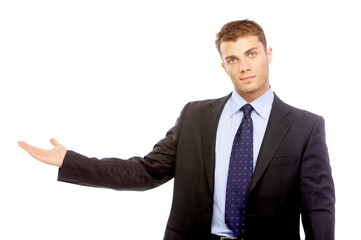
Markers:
252,54
233,60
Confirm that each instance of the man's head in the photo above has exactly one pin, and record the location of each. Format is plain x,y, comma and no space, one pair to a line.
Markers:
238,29
245,57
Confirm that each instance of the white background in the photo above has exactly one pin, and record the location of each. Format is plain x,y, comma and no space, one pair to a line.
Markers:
109,78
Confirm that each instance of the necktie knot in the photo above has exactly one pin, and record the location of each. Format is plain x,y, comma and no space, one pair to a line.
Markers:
247,109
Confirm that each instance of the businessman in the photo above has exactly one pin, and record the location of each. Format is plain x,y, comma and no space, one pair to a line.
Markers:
245,166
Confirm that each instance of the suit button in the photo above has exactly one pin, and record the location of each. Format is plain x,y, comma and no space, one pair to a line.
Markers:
249,215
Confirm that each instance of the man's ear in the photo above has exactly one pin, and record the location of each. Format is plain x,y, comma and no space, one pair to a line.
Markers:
269,54
224,67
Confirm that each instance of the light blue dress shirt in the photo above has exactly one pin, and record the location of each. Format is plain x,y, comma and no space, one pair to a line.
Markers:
228,124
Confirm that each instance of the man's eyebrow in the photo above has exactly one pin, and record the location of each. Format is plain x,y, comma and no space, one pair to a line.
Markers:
230,57
250,50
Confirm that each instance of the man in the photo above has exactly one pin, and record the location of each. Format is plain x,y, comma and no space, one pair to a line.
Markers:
245,166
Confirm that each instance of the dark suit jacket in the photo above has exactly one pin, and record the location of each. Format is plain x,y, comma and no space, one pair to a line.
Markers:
292,174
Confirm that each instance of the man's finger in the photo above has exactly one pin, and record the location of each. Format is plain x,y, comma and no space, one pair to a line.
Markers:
33,151
54,142
22,144
25,146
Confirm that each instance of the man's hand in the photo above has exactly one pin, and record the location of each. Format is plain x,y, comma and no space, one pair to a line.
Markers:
53,157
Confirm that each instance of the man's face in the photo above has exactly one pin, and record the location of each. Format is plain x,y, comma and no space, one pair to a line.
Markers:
246,62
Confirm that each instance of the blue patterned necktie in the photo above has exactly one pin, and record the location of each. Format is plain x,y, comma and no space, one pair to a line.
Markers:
240,173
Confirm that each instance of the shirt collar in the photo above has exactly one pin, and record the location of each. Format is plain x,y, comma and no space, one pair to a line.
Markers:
262,105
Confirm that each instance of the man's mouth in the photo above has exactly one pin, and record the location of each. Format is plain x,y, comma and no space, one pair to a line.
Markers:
247,78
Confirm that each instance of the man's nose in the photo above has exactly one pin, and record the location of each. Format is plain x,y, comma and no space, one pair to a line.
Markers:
244,66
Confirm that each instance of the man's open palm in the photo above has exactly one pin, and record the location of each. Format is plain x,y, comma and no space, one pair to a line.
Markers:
53,156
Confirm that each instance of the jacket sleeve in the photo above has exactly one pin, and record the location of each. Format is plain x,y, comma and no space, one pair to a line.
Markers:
317,187
136,173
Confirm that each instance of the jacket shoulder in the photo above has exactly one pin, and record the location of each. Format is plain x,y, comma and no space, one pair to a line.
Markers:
209,102
294,112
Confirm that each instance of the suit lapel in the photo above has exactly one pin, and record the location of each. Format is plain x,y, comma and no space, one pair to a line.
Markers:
277,128
210,119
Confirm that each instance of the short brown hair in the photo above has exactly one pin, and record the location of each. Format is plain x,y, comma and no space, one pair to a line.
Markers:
242,28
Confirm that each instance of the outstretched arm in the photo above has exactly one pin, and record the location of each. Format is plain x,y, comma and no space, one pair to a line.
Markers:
136,173
53,156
